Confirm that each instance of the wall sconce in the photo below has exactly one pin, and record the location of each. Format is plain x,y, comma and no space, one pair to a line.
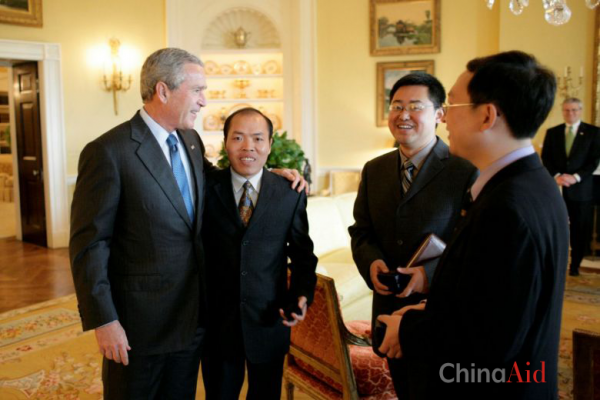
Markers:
115,82
565,84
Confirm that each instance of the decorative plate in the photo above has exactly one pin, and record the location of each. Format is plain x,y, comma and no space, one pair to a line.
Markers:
236,107
275,120
256,69
226,69
211,68
271,67
211,123
241,68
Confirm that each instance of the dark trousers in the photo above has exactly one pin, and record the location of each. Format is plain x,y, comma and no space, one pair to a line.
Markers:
223,378
580,227
161,376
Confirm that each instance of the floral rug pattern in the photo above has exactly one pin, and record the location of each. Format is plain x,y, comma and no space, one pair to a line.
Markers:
44,355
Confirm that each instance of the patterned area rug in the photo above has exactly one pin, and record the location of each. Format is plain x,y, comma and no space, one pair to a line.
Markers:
45,355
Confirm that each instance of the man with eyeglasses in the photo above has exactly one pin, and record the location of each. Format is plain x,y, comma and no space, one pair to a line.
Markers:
491,325
404,196
571,153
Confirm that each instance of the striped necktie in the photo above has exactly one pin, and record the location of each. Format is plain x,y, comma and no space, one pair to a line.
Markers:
246,207
407,175
569,139
180,176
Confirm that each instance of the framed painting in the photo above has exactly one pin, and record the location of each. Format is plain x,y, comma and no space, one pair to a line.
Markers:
387,74
21,12
404,27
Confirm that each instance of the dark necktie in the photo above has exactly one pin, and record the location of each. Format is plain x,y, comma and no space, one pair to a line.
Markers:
246,207
407,175
180,176
467,203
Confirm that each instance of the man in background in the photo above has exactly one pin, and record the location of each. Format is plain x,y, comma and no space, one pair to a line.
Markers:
404,196
571,153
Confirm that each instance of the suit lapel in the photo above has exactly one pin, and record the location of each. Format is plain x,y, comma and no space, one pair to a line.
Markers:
267,192
432,166
580,139
224,191
524,164
195,156
153,158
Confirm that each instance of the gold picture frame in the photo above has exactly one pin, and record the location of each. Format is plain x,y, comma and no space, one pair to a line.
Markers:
21,12
404,27
387,74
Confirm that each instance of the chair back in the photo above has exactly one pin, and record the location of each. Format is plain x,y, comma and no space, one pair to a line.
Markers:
318,344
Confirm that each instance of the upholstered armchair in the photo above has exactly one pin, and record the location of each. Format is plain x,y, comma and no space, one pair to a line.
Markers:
329,360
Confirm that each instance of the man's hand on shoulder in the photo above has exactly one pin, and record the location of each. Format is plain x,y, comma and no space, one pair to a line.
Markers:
113,343
298,181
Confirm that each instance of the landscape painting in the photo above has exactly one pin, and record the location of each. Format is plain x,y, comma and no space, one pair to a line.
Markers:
404,26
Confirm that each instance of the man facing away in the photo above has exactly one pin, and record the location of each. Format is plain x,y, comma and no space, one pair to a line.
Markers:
253,224
491,325
406,195
136,250
571,153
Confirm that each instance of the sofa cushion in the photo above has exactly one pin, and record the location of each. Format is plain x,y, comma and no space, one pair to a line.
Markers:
326,226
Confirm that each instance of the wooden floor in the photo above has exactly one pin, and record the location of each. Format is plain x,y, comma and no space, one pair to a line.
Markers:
31,274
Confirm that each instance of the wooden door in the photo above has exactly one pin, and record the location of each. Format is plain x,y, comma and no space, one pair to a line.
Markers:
29,153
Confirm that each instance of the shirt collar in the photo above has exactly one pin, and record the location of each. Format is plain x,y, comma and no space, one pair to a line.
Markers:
419,158
488,173
575,126
238,180
158,131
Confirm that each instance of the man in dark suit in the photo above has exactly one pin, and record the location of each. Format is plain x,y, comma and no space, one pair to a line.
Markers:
136,253
493,314
392,217
571,153
252,225
136,250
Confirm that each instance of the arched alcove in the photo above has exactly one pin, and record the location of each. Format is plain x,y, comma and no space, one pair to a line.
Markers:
262,33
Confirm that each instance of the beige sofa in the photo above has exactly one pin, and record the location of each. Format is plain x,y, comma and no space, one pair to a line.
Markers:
329,219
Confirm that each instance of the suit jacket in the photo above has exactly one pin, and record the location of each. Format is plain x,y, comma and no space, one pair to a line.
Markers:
248,267
391,227
135,254
498,290
583,158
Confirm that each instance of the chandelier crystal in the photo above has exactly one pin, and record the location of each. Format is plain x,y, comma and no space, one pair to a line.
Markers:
556,12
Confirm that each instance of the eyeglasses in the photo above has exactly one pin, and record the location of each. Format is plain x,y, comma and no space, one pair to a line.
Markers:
445,106
411,107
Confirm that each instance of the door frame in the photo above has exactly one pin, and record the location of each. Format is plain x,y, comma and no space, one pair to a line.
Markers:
48,56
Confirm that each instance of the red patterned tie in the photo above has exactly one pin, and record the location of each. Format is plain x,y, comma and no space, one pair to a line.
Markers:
246,207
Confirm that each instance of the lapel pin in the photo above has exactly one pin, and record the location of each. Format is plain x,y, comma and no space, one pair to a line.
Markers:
193,147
